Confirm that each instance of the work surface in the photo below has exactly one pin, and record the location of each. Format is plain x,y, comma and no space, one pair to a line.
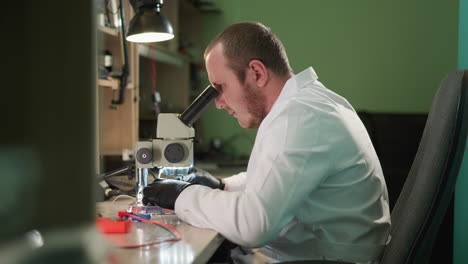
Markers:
196,246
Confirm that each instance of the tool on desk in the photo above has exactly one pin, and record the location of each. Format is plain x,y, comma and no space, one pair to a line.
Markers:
134,217
107,186
122,228
110,226
172,149
150,210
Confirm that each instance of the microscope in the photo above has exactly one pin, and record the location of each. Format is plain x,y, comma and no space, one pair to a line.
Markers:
172,149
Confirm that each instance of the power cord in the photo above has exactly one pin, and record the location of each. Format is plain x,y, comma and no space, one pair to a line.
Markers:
174,231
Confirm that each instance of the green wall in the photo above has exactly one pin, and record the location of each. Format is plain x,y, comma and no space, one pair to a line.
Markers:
217,123
382,56
461,195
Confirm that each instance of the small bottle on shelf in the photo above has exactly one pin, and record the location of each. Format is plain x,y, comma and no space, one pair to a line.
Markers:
108,61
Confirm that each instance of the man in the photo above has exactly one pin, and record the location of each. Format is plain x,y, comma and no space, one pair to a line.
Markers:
313,188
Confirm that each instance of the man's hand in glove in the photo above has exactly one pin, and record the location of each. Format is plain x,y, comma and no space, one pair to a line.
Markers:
163,192
202,177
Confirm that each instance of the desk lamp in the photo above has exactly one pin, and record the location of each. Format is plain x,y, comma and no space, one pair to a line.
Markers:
148,24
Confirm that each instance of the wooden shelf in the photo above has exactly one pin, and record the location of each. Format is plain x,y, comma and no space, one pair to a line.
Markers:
117,126
112,83
112,153
109,31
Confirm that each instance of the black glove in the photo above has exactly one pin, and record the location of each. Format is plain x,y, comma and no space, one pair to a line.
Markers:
202,177
163,192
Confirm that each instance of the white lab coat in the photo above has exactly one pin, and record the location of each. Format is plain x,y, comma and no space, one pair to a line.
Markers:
313,189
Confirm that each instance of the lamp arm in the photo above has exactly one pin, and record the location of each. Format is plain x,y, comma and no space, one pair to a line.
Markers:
125,67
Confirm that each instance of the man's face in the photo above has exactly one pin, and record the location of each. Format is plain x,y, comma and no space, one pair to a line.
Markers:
241,100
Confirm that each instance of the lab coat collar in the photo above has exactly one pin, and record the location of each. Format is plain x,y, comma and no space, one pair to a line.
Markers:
305,77
295,83
291,87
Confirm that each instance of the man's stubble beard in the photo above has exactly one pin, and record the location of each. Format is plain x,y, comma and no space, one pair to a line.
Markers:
255,106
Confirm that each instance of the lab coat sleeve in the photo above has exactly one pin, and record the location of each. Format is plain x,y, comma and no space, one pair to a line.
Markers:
292,159
235,183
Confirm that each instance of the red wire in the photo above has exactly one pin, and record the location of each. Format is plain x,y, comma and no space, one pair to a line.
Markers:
178,234
153,71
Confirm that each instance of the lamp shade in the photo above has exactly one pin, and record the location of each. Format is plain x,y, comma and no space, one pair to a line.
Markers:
149,26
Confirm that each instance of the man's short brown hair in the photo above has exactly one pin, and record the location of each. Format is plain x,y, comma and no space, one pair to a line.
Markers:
248,41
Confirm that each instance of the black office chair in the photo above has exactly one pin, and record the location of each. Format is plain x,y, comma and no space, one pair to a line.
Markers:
429,187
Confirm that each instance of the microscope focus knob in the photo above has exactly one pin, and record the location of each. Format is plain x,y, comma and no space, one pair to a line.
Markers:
174,153
144,155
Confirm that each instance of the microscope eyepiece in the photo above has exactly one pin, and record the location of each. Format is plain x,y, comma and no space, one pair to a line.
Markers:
198,106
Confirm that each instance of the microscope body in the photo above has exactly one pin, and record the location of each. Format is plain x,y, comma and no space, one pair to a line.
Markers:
171,151
172,147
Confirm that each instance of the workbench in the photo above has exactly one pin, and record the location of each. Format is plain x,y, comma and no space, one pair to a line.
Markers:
196,246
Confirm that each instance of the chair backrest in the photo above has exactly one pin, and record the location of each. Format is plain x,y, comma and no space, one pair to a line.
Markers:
429,187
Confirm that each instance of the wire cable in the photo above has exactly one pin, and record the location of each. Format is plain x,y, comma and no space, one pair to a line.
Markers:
154,92
123,195
174,231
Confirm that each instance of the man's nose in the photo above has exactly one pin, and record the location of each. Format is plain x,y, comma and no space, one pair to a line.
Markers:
219,102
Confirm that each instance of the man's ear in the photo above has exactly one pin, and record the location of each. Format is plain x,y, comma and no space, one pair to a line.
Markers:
259,72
